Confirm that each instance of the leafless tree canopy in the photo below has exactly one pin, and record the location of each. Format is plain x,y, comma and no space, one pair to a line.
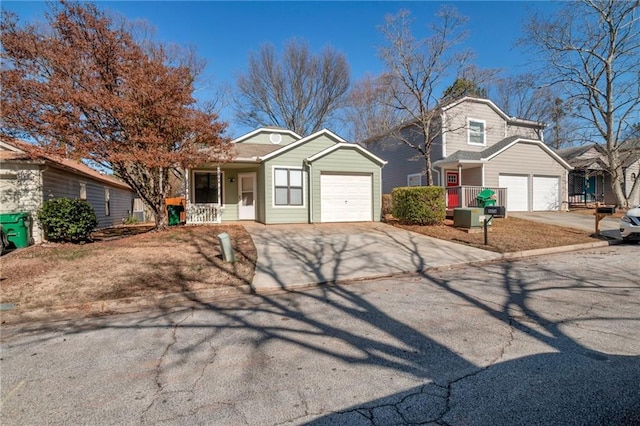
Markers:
85,88
418,67
299,91
591,49
370,109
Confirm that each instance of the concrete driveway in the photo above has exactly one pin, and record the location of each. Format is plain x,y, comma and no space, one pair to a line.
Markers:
609,226
303,255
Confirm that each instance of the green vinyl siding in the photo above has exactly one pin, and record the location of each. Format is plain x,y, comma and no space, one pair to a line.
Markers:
347,161
263,138
294,158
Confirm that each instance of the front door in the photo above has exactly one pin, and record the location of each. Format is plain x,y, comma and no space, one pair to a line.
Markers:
247,196
453,197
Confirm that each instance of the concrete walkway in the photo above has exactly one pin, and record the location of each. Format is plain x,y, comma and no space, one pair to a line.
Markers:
304,255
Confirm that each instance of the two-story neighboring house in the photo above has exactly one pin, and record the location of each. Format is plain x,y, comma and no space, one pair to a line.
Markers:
479,146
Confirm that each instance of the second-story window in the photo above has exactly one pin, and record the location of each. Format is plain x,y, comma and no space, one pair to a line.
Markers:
477,130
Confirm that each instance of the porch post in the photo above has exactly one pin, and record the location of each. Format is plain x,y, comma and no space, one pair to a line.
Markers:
187,196
219,209
462,195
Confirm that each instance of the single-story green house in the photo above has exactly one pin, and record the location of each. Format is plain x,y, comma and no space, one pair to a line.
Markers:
277,176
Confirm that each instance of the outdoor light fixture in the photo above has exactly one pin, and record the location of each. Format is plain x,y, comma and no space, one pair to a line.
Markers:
231,180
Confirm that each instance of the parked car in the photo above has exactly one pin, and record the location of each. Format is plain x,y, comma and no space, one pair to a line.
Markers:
630,224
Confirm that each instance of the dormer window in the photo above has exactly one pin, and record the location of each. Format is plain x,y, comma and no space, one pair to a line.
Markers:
476,132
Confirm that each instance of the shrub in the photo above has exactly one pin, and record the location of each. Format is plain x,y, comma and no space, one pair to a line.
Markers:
419,205
67,219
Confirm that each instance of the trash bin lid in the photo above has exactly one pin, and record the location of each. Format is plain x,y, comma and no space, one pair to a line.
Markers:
486,193
13,217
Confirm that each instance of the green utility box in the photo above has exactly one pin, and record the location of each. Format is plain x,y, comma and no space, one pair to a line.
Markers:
17,227
486,197
469,217
174,214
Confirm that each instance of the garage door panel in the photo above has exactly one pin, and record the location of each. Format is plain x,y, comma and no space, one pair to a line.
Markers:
546,193
345,198
517,192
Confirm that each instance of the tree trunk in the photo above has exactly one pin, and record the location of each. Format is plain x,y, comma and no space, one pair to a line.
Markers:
160,213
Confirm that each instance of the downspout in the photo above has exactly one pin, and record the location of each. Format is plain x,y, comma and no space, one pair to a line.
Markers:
310,190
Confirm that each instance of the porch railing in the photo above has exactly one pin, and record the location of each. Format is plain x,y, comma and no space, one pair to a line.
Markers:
465,196
203,213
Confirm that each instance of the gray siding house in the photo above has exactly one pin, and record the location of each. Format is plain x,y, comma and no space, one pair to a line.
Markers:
589,181
277,176
478,147
28,177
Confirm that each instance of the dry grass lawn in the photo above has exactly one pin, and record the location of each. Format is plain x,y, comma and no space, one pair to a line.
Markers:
506,235
127,262
115,266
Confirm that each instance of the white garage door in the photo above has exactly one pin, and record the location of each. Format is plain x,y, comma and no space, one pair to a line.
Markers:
546,193
345,198
517,192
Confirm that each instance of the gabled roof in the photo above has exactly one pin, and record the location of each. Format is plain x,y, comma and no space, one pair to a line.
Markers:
496,149
302,141
343,145
508,119
576,151
495,108
20,151
268,129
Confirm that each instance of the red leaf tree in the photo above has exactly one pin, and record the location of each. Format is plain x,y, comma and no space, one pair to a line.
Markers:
84,87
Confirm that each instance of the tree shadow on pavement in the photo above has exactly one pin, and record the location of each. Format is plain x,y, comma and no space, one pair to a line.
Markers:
561,373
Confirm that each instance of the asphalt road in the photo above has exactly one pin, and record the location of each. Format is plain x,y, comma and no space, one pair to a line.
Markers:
548,340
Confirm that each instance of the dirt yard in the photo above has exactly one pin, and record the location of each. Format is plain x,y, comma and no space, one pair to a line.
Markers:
119,265
506,235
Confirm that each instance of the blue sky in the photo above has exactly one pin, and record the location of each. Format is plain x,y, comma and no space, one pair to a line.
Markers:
225,32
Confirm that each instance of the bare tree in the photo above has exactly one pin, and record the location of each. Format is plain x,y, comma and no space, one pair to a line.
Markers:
86,89
298,90
417,68
591,49
370,111
524,96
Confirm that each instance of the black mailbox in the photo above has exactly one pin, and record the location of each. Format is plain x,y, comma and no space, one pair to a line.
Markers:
494,210
606,210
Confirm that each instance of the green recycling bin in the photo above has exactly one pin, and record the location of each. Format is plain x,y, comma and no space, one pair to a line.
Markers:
174,214
17,227
486,197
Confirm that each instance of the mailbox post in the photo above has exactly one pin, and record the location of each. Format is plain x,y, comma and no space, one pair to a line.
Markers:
491,211
601,213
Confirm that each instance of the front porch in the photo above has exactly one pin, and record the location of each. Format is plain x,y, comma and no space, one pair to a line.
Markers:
466,196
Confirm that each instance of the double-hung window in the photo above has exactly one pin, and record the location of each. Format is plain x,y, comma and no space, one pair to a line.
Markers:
206,188
477,132
414,179
288,186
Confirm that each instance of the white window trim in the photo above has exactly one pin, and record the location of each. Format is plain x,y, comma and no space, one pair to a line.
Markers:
83,191
484,133
273,187
193,184
412,176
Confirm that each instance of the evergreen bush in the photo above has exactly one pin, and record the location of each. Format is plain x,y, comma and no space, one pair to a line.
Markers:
419,205
67,219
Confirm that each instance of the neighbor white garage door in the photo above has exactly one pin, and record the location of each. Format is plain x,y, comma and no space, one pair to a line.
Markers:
517,192
345,198
546,193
